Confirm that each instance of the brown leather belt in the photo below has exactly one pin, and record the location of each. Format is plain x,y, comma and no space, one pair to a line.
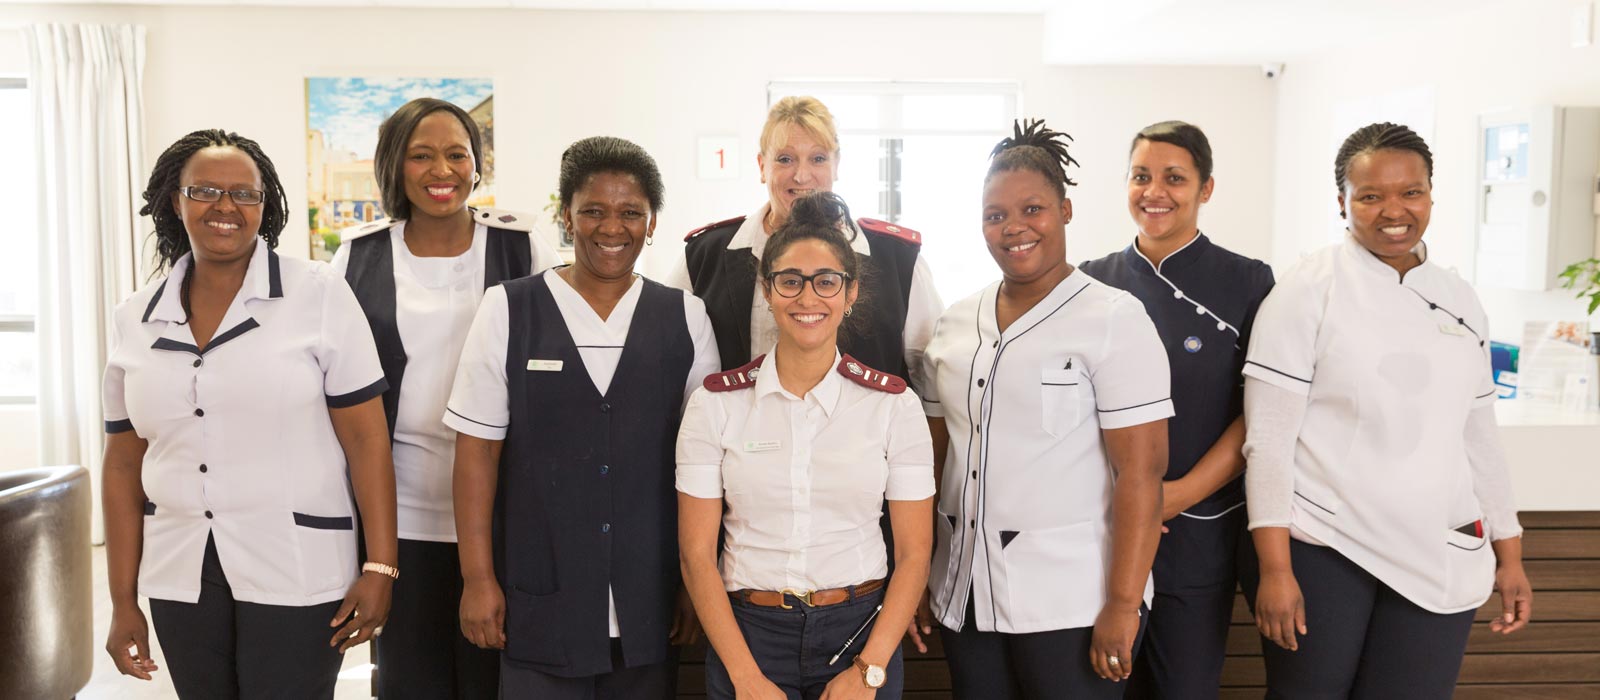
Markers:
811,599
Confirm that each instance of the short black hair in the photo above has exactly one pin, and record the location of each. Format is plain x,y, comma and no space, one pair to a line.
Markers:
1378,137
588,157
394,135
1033,146
172,240
821,216
1183,135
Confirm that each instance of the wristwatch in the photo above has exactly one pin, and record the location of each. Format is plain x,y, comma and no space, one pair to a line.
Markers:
872,674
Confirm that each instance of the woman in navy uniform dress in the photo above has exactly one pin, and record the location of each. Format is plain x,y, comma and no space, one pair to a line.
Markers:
567,400
1203,299
419,276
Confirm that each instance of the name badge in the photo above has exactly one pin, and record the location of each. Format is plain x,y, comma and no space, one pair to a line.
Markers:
762,445
544,365
1452,329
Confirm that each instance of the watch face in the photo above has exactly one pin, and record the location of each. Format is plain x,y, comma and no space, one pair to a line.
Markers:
876,676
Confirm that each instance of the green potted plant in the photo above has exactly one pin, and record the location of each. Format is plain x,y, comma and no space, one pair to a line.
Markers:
1584,276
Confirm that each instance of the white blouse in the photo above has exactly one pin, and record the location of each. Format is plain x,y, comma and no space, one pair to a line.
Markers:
241,445
1024,521
804,478
435,299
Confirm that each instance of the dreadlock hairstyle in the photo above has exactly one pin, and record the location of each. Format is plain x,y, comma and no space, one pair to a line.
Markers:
1033,146
588,157
172,241
1378,137
821,216
394,137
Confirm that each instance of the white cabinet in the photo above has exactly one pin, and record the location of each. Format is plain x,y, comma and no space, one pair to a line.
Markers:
1538,174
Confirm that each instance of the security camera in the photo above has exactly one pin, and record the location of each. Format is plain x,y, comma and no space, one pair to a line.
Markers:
1271,70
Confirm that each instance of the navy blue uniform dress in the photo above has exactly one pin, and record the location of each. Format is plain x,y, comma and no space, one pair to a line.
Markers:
1203,299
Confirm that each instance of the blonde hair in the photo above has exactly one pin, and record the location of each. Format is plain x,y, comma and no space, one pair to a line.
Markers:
806,112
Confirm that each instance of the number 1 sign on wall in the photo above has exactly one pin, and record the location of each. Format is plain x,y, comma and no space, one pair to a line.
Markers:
719,157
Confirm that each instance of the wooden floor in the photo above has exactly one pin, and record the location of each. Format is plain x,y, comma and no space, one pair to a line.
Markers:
1556,658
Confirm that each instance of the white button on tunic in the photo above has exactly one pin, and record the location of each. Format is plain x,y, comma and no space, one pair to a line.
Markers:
241,446
1024,521
1390,369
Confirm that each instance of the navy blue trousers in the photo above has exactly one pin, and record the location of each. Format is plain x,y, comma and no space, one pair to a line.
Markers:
218,648
1363,640
422,653
1197,576
792,648
1050,665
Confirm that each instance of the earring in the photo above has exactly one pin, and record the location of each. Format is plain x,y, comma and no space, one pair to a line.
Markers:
650,239
847,311
476,177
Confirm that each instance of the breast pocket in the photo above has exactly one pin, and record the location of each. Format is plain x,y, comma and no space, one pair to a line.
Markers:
1059,392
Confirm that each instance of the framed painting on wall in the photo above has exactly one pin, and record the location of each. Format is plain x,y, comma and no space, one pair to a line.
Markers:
342,119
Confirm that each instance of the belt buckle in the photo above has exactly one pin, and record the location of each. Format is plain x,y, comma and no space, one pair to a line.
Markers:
804,596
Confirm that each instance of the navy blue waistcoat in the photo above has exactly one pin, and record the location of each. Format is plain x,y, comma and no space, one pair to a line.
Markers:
586,497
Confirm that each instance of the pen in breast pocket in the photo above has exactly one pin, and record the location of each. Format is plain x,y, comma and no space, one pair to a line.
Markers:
859,630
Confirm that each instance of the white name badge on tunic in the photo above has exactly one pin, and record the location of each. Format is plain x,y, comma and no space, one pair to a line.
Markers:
1452,329
544,365
762,445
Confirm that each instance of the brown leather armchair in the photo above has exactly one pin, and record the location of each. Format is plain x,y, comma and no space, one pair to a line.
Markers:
46,599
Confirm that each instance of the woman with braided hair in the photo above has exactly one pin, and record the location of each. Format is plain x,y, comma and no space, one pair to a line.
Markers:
1054,391
245,433
1379,496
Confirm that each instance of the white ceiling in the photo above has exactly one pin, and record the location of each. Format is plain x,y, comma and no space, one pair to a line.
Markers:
1151,32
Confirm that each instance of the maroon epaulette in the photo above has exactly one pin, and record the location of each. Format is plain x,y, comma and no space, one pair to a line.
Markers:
870,378
708,227
889,229
735,379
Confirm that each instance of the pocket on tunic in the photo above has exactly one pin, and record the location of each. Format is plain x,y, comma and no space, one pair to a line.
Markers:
1059,390
533,628
1050,570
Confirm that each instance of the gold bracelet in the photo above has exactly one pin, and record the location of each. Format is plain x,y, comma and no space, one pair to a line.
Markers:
384,569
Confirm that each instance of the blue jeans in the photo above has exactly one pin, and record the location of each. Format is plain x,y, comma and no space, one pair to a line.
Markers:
792,647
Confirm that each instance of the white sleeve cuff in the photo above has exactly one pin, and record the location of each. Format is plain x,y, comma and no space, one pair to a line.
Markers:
909,482
1278,378
1113,418
700,480
468,426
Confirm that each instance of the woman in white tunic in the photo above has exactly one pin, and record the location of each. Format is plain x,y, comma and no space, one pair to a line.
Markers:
1379,498
1054,391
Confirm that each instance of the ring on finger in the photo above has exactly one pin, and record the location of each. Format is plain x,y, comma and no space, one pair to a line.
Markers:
1113,661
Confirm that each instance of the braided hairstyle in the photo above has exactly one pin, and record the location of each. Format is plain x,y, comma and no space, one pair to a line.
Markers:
1033,146
1377,137
588,157
172,241
821,216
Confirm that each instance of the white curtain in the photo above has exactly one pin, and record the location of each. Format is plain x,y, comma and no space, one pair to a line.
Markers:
88,113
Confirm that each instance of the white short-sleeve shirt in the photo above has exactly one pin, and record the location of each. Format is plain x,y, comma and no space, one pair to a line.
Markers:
923,305
804,478
1390,368
435,299
480,402
1024,521
240,443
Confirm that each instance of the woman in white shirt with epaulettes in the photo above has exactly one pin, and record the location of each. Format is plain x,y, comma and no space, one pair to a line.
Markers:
793,456
1379,497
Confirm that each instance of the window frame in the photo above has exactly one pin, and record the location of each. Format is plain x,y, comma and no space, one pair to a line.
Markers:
20,323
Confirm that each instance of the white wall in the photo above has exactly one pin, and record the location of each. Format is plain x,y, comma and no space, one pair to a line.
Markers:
1505,56
661,79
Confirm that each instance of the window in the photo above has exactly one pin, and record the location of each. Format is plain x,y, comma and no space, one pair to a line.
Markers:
916,154
19,277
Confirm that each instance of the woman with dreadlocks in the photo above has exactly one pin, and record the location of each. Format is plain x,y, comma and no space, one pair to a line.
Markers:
1054,391
242,409
1380,498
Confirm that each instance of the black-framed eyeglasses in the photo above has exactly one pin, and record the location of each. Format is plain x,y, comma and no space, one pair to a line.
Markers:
212,194
826,284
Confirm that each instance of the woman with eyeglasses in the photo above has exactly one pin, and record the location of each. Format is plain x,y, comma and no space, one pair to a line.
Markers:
792,456
245,438
419,276
567,401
